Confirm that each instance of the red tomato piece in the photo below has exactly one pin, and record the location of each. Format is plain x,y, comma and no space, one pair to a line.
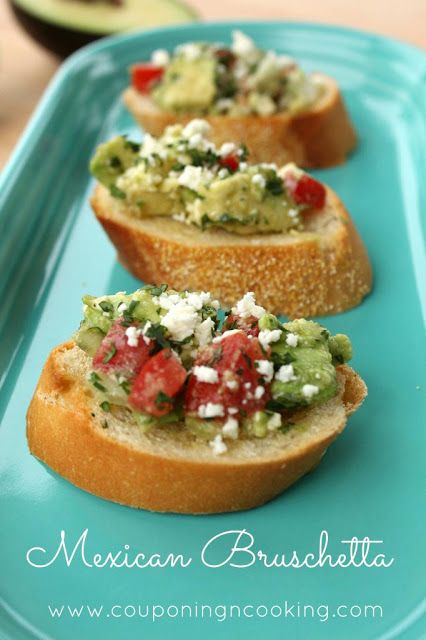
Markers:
144,75
234,360
230,162
305,190
249,325
115,355
159,381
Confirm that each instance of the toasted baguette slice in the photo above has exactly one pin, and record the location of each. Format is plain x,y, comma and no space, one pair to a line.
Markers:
321,271
319,137
168,469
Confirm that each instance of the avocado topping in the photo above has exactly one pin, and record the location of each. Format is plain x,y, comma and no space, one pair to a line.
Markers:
167,359
185,176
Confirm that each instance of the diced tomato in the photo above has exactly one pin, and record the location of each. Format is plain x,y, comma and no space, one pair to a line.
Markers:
231,162
305,190
144,75
159,381
115,355
249,325
234,360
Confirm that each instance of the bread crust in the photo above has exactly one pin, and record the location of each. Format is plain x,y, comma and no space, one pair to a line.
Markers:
319,137
307,274
63,433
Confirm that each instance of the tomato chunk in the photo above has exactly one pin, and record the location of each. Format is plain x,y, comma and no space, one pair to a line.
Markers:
115,355
305,190
239,381
144,75
231,162
249,325
159,381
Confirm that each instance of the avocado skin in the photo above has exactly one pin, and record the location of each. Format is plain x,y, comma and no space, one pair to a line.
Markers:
59,40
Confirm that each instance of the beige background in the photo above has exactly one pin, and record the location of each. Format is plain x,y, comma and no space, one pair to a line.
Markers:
25,68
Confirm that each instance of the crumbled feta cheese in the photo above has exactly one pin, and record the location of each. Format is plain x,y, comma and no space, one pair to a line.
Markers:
292,339
205,374
243,46
180,320
160,57
310,390
265,368
218,446
225,334
285,373
230,429
195,141
274,421
196,126
227,148
203,332
223,104
243,166
122,308
266,336
189,50
180,217
291,168
132,335
147,325
191,177
247,385
259,180
232,411
259,392
211,410
292,213
198,300
247,307
232,384
223,173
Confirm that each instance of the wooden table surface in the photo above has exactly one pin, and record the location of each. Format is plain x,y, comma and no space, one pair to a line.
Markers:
25,68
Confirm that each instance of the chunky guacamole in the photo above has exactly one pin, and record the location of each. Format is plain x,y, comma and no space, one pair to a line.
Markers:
204,78
183,175
170,357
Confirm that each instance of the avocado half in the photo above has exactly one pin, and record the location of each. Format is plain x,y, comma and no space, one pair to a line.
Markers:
66,25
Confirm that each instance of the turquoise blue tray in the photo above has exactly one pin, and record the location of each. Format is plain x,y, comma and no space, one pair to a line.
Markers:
369,484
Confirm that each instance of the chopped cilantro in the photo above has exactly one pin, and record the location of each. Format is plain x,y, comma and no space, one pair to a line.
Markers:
110,354
105,406
274,185
125,385
106,306
116,163
94,379
116,192
158,332
162,398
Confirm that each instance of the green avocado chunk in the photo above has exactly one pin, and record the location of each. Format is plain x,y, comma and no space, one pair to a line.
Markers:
112,159
188,84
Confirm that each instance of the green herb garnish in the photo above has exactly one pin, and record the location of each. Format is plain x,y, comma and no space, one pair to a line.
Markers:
94,379
105,406
116,192
110,354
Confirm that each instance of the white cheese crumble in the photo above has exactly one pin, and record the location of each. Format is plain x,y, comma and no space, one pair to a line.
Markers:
232,411
196,126
259,392
267,336
223,173
225,334
243,46
205,374
218,446
203,332
230,429
211,410
160,57
310,390
259,180
292,339
198,300
132,335
147,325
180,320
285,373
227,148
247,307
265,368
191,177
189,50
232,385
274,421
122,308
